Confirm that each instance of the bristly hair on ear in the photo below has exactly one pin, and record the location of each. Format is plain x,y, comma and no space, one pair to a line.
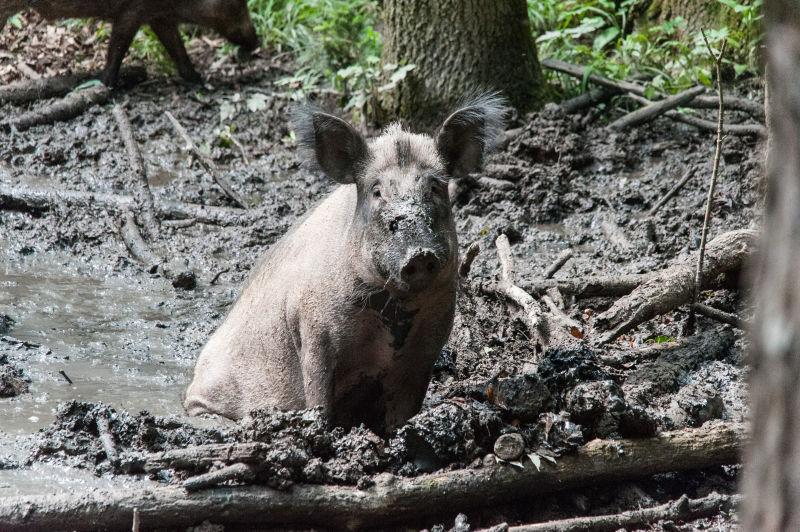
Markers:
471,132
335,146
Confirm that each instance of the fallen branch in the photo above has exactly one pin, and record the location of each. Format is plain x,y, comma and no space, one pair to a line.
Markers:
138,248
669,195
560,261
138,177
720,316
234,472
500,184
751,107
656,109
73,104
587,99
51,87
684,509
31,199
207,163
734,129
599,286
392,500
545,328
197,458
675,285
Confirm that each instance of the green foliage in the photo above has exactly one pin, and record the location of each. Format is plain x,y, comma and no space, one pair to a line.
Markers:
333,41
601,35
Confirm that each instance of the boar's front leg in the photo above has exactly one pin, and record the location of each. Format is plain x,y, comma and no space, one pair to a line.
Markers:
167,32
122,33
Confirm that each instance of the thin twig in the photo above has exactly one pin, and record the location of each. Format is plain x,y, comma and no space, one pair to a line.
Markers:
207,163
137,520
66,377
560,261
698,278
138,248
720,316
656,109
668,196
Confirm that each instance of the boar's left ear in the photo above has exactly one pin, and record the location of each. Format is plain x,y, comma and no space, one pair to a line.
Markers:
470,133
338,148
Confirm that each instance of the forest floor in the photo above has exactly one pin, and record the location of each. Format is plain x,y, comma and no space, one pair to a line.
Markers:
72,299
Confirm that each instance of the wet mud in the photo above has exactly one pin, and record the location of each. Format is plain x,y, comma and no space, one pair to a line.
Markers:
88,333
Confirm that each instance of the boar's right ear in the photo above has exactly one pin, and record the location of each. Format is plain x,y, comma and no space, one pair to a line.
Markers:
470,133
338,148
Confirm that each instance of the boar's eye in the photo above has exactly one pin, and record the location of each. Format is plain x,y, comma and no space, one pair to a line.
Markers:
376,192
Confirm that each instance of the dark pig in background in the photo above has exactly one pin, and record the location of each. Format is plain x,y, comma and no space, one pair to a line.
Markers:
228,17
349,310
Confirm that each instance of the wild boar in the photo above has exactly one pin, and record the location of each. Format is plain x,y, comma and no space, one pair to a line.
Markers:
228,17
349,310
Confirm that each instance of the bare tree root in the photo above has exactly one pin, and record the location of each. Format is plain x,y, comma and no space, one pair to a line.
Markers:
720,316
392,500
51,87
684,509
469,258
546,328
35,200
138,248
656,109
675,285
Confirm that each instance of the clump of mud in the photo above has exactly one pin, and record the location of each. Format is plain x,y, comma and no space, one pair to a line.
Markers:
12,379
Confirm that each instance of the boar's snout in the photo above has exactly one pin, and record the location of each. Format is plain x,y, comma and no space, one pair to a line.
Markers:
420,269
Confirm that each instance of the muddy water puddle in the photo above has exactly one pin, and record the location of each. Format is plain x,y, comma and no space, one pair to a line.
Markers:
112,337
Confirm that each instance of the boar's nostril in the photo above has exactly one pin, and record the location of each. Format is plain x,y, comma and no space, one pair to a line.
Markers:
420,269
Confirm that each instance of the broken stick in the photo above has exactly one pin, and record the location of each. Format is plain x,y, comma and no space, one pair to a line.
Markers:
392,500
33,199
669,195
720,316
138,176
545,328
655,109
469,258
560,261
107,439
129,232
206,162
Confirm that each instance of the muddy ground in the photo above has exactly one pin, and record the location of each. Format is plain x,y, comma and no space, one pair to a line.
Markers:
86,331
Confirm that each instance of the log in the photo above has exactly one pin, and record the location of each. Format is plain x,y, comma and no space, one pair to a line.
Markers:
33,199
51,87
656,109
674,286
67,108
197,458
391,501
684,509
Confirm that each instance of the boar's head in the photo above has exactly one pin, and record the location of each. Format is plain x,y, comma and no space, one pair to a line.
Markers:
231,19
403,234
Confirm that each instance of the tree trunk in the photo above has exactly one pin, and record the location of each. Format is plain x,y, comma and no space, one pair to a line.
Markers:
705,14
772,476
459,46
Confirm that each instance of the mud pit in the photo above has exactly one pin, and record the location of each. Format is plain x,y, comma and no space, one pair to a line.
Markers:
72,300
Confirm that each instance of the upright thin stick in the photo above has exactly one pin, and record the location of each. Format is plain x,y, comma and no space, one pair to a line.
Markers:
698,278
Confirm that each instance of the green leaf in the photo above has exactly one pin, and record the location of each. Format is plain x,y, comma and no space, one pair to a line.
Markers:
16,21
608,35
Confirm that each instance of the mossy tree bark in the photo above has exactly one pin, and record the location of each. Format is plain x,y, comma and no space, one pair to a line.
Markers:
705,14
459,46
772,476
